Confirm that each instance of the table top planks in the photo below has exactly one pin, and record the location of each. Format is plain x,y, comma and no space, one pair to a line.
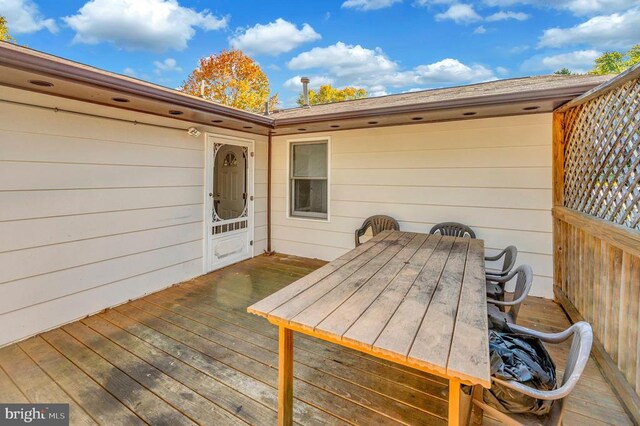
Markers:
416,299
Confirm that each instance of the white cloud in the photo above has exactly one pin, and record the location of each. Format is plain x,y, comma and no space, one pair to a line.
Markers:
155,25
23,16
344,60
377,91
579,61
453,71
348,65
369,4
459,13
607,31
503,16
502,70
168,65
130,72
516,50
432,2
577,7
273,38
480,30
315,81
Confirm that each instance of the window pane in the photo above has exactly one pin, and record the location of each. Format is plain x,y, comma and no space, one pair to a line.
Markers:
310,196
310,160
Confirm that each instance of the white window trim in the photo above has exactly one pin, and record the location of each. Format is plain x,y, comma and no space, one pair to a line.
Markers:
326,139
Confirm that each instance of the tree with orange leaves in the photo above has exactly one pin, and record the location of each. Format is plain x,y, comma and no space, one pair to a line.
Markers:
231,78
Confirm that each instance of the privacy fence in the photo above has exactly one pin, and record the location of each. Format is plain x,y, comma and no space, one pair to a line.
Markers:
597,224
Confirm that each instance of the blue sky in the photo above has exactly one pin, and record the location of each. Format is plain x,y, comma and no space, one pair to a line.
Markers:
385,46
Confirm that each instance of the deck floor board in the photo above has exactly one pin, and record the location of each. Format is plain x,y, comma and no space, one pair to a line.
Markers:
192,354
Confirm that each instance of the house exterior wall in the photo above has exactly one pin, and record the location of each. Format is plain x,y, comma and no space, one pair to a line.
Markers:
95,212
491,174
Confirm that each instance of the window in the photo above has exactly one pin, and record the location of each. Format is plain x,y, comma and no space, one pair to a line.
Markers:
309,179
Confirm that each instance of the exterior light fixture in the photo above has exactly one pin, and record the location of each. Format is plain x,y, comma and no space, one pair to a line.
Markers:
192,131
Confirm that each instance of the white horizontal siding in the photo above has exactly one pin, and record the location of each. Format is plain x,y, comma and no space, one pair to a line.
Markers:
95,212
491,174
40,317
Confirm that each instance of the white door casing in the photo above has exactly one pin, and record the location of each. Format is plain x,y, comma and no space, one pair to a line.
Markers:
229,209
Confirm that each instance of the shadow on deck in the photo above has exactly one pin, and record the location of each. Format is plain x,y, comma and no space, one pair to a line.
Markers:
192,354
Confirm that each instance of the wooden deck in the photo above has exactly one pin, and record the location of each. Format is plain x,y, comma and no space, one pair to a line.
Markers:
192,354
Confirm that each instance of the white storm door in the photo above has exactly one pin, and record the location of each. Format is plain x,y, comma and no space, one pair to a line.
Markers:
230,201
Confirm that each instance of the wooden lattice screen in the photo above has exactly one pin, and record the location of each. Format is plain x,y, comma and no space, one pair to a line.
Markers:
602,156
597,225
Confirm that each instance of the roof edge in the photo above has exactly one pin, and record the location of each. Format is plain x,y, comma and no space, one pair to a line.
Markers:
564,94
31,60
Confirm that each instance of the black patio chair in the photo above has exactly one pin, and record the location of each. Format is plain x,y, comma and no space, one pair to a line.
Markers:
377,224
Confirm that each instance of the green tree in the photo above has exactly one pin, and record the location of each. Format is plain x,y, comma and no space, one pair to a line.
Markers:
231,78
4,31
328,94
563,71
633,55
616,62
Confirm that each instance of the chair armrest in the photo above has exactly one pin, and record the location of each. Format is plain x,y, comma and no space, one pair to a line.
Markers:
535,393
509,303
499,302
545,337
496,257
494,274
501,279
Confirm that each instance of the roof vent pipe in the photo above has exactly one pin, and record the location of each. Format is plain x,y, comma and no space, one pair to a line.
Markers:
266,108
305,91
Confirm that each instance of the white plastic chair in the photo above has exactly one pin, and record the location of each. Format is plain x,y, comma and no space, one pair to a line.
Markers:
576,362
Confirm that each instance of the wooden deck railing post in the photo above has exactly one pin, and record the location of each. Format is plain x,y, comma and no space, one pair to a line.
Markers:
558,193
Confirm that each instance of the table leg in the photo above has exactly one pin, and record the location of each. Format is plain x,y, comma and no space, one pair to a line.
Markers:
454,402
285,377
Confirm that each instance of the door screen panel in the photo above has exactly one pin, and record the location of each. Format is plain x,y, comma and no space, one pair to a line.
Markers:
230,209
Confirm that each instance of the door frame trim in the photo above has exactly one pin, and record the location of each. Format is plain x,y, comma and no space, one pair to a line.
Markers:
210,139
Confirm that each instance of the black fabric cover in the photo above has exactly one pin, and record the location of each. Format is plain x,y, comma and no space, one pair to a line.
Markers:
523,359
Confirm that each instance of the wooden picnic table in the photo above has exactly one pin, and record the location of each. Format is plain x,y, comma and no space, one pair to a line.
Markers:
415,299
